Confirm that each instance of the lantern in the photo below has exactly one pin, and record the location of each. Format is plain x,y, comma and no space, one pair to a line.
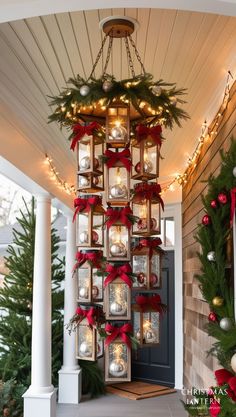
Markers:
117,354
146,263
90,279
146,204
91,183
118,225
118,165
89,219
88,150
146,319
117,295
117,125
146,153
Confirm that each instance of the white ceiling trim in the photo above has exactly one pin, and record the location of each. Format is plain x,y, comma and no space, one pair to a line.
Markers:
19,9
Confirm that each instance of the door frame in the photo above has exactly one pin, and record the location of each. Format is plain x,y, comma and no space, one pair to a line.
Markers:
175,211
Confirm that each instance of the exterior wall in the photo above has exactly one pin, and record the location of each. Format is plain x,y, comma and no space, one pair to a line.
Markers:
197,367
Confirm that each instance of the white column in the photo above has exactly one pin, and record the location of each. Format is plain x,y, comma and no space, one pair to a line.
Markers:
40,398
70,373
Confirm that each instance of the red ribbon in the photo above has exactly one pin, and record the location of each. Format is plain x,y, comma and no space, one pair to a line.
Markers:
118,215
233,204
215,408
95,258
114,157
122,332
142,132
120,271
153,302
80,131
151,244
84,205
88,314
147,191
225,377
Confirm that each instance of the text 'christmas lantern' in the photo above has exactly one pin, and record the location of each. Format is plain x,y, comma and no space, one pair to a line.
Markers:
117,296
89,219
90,279
146,204
118,352
118,166
146,319
118,224
146,152
117,125
146,262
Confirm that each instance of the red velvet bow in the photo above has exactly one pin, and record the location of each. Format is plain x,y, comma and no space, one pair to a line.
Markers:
80,131
122,332
84,205
147,191
142,132
233,205
120,271
214,408
95,258
149,243
88,314
225,377
114,157
118,215
145,302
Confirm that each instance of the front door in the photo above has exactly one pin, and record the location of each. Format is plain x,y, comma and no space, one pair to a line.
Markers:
157,364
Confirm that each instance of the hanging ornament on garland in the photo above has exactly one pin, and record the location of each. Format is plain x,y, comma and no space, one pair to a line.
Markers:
214,204
218,301
206,220
212,317
222,198
211,256
157,90
107,86
234,172
84,90
226,324
233,362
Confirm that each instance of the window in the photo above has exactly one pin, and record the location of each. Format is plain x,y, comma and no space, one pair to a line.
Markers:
168,231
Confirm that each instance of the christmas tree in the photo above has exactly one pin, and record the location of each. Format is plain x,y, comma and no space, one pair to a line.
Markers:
16,303
216,283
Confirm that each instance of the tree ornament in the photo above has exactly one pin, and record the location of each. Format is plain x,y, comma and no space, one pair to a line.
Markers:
107,86
118,367
233,362
157,90
118,132
173,100
234,172
84,90
6,412
218,301
84,163
212,317
83,292
85,349
211,256
117,309
206,220
147,167
214,204
153,279
226,324
118,191
118,249
141,277
222,198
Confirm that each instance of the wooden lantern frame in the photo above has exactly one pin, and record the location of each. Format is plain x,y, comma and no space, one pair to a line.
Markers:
142,145
109,378
117,114
109,316
128,253
148,231
92,186
90,268
97,210
92,141
117,201
136,309
144,251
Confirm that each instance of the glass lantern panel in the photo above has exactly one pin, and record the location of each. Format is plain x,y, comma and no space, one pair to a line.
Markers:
97,291
135,160
98,150
83,229
85,342
155,278
83,284
150,160
118,360
155,217
140,210
151,327
117,124
137,325
97,234
84,155
118,241
118,299
118,183
140,269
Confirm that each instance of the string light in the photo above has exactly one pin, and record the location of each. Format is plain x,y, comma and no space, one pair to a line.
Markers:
55,176
206,133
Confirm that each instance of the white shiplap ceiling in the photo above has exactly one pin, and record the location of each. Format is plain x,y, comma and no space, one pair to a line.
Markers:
39,54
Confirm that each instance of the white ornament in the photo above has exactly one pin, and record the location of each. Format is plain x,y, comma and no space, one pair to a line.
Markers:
83,293
84,163
118,191
211,256
157,90
226,324
234,172
107,86
83,181
118,309
83,237
118,368
118,249
84,90
118,133
233,362
85,349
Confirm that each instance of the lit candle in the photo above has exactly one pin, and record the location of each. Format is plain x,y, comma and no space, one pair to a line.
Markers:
118,190
117,247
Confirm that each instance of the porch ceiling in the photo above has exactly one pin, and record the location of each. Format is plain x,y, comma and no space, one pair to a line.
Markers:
39,54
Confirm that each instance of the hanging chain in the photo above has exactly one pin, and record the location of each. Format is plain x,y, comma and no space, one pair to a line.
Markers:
108,56
130,61
98,56
137,54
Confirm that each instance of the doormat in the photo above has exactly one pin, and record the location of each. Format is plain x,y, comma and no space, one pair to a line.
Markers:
137,390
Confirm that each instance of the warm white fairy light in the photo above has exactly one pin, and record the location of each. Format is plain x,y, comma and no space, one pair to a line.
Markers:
55,176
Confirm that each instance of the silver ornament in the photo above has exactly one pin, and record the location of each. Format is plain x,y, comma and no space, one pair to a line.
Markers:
85,349
173,100
83,181
107,86
83,292
84,90
118,309
118,249
226,324
157,90
233,362
118,368
118,191
83,237
118,133
147,167
84,163
149,336
211,256
234,172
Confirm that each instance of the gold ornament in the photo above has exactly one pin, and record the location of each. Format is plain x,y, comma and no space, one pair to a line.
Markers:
218,301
